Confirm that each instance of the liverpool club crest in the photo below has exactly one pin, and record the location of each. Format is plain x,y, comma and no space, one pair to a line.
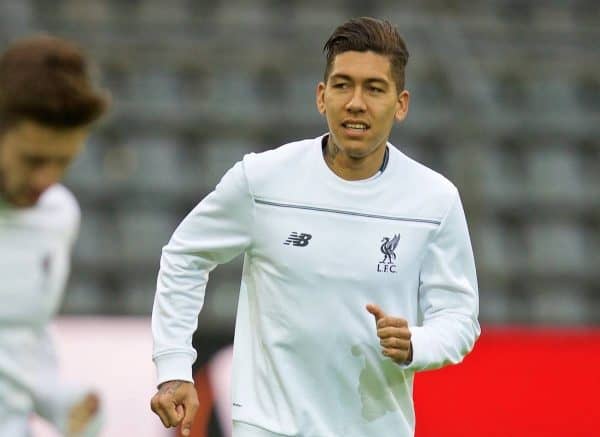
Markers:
388,248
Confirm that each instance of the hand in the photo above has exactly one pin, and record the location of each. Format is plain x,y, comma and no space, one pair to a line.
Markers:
82,413
176,402
394,335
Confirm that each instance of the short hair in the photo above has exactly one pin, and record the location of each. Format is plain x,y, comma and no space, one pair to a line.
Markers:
369,34
47,80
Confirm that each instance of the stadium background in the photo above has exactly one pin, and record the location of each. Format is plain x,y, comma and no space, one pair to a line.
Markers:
505,102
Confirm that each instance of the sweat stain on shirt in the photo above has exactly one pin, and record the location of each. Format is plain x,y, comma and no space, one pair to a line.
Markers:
380,383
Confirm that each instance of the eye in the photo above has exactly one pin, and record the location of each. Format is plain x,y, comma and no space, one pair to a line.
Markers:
340,85
376,90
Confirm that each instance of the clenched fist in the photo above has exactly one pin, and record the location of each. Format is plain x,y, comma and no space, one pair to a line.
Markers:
394,335
176,402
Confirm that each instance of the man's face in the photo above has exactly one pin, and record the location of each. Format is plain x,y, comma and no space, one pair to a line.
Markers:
361,102
34,157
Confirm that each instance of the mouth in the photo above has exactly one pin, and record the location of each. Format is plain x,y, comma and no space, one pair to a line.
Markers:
357,126
355,129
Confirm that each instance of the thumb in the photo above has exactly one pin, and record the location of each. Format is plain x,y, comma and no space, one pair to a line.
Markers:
188,418
376,311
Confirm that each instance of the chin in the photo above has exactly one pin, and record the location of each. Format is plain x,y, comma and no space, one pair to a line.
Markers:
358,151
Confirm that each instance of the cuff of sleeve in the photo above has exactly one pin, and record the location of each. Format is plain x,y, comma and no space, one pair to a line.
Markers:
419,349
173,367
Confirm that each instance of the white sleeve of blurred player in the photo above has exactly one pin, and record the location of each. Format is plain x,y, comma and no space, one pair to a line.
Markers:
448,296
53,398
214,232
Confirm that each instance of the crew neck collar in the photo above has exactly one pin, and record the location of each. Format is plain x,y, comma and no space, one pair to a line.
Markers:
322,143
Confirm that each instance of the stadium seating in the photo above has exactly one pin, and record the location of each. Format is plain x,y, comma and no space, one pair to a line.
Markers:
505,102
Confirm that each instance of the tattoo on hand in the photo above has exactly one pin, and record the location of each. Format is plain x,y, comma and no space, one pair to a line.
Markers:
170,387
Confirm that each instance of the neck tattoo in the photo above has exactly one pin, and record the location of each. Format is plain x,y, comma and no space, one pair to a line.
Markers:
330,151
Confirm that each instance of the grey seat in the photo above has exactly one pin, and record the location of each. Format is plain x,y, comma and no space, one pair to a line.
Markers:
555,175
556,248
564,303
154,165
143,233
220,155
98,243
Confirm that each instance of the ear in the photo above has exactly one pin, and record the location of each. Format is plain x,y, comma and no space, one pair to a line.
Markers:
320,97
403,103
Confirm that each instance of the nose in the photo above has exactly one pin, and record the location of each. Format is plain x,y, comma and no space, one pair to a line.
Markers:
356,102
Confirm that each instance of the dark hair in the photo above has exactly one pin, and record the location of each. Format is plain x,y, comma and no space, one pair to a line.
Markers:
369,34
47,80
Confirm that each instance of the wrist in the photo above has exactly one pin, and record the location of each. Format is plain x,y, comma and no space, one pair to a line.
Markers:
410,354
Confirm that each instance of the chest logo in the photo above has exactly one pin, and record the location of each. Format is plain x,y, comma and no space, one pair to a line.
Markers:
296,239
388,248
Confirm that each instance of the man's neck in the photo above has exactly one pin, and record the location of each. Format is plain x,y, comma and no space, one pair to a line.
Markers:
353,169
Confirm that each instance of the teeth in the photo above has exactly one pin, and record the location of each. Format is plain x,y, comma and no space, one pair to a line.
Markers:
356,126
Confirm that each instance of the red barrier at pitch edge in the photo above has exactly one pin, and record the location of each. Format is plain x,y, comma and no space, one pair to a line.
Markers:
517,382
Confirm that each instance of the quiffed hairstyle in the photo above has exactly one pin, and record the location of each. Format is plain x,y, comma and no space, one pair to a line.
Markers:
369,34
47,80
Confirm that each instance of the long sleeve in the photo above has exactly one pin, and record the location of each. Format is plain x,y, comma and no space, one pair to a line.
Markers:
217,230
448,296
53,398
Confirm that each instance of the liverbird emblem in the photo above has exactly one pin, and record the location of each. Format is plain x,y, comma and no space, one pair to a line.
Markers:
388,246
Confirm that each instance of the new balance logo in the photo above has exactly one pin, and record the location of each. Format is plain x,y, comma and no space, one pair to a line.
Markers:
297,239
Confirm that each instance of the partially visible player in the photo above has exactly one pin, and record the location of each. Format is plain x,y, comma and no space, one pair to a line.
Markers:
48,104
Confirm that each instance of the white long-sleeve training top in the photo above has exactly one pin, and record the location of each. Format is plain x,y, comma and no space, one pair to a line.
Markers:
307,359
35,247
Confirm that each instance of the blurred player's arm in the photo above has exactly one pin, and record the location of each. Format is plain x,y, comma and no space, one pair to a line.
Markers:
72,410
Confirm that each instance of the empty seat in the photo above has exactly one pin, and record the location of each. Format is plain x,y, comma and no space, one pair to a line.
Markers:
150,164
556,248
494,305
232,97
220,155
587,90
559,303
87,171
154,86
85,295
138,292
555,174
552,95
492,252
158,12
99,243
502,176
88,11
14,17
302,106
143,233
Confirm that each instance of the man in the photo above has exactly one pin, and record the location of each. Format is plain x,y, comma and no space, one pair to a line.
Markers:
358,267
48,104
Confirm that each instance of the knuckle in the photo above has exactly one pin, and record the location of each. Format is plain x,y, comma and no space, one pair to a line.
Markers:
163,398
154,403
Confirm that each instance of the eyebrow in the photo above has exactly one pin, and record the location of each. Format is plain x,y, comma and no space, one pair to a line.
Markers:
340,76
